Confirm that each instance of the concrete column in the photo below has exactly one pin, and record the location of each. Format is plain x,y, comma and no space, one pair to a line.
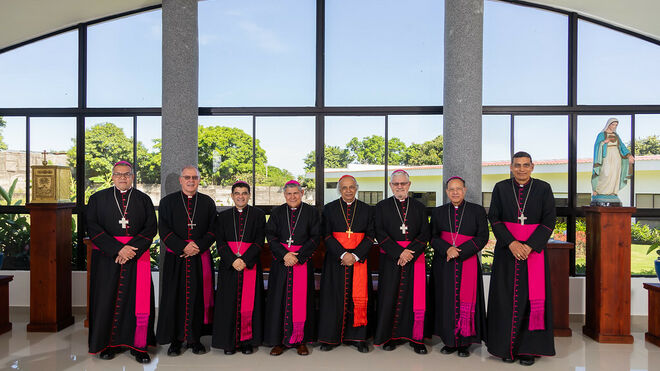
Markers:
180,81
462,93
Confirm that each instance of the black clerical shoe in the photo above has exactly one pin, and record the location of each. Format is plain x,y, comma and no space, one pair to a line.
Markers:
508,360
463,351
418,348
247,349
362,347
326,347
526,360
197,348
230,351
174,349
107,353
141,357
302,350
447,350
389,346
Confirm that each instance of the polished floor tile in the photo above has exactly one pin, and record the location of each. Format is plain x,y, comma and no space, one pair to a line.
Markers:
67,350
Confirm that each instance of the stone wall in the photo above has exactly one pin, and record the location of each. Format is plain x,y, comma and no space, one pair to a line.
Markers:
12,166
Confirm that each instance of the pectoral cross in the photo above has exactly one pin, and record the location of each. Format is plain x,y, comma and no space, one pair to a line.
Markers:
124,222
403,228
522,218
289,242
349,232
191,225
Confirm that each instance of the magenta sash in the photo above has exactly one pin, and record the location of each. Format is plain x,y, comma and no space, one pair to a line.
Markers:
419,293
247,293
207,284
299,298
468,290
535,275
142,294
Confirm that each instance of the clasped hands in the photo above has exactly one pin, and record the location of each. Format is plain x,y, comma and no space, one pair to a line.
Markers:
406,256
520,250
348,259
290,259
126,253
191,249
452,252
239,264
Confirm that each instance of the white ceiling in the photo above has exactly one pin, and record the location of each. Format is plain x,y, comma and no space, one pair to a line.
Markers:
22,20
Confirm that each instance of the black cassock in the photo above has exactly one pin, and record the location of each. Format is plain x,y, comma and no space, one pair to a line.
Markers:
112,303
337,304
445,285
395,313
306,223
248,229
184,315
508,298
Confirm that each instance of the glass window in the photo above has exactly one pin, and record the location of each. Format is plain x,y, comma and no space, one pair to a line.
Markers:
644,233
495,152
149,147
124,62
287,142
647,161
615,68
56,136
416,144
15,241
13,169
107,140
384,52
354,145
525,55
41,74
588,129
545,138
225,154
257,53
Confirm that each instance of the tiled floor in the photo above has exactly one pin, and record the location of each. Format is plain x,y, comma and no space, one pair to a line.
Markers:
67,350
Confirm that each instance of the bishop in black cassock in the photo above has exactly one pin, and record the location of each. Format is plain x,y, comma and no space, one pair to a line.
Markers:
121,223
346,287
293,232
239,299
522,213
456,295
186,223
402,230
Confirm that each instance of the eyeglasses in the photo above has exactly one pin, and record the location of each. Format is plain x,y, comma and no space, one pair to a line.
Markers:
188,177
122,175
401,184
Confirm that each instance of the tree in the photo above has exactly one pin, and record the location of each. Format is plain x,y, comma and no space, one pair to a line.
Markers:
3,124
427,153
647,146
371,150
335,157
225,155
105,144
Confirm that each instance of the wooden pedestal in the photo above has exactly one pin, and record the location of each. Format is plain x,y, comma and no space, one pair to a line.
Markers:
607,317
558,253
50,267
653,335
5,325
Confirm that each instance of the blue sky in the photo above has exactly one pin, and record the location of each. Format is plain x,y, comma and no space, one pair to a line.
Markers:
261,53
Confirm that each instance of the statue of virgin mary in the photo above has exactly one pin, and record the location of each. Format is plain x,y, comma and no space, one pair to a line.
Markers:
612,166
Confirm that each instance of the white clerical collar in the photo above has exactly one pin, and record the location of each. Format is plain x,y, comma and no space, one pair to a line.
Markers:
122,192
293,208
240,210
348,203
456,207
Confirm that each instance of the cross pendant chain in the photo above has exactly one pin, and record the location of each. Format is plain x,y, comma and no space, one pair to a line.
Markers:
522,218
124,222
191,225
403,228
289,242
349,232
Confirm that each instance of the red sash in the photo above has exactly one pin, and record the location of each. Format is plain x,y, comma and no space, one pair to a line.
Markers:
468,290
142,294
207,284
535,275
247,293
299,298
419,293
360,276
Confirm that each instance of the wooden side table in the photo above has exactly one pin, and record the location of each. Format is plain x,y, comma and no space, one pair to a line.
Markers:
5,325
653,335
558,254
